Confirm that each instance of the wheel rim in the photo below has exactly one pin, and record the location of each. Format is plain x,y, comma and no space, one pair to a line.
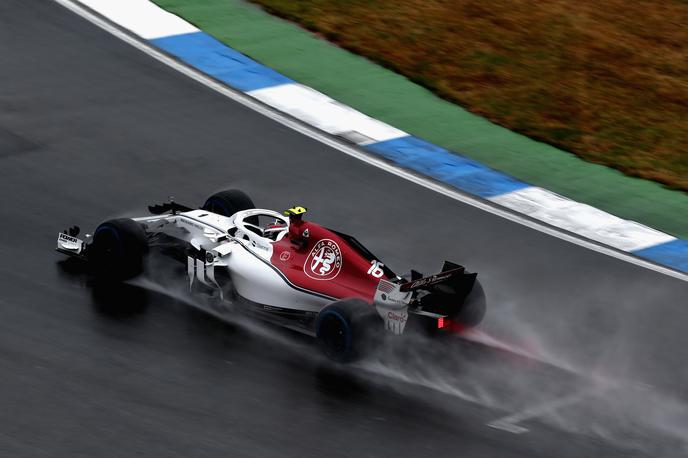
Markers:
334,333
108,243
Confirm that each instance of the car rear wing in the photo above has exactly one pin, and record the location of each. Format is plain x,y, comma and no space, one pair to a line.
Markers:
453,277
433,280
392,300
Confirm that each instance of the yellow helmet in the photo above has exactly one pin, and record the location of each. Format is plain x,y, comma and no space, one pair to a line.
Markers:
295,210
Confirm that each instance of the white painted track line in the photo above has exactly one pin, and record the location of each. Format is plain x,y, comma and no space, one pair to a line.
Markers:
582,219
314,133
145,19
325,113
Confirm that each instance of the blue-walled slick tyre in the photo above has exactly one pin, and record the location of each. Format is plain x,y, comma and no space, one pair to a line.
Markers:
347,329
227,203
118,250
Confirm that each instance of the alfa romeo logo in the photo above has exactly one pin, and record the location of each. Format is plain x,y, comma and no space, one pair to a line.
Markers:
324,261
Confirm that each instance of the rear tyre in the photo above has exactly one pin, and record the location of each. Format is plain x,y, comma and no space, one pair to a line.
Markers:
227,203
472,312
118,250
348,329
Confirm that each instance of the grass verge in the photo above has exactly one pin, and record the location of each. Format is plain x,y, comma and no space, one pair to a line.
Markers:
607,81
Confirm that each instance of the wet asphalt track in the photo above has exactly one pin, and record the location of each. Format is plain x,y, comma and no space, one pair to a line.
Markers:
91,128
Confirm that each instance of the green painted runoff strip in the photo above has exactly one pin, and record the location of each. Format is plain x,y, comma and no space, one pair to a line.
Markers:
391,98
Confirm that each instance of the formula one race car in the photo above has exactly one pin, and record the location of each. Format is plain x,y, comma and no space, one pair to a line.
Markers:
283,269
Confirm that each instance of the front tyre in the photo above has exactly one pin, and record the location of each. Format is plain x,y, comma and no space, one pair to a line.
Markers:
227,203
118,250
347,329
